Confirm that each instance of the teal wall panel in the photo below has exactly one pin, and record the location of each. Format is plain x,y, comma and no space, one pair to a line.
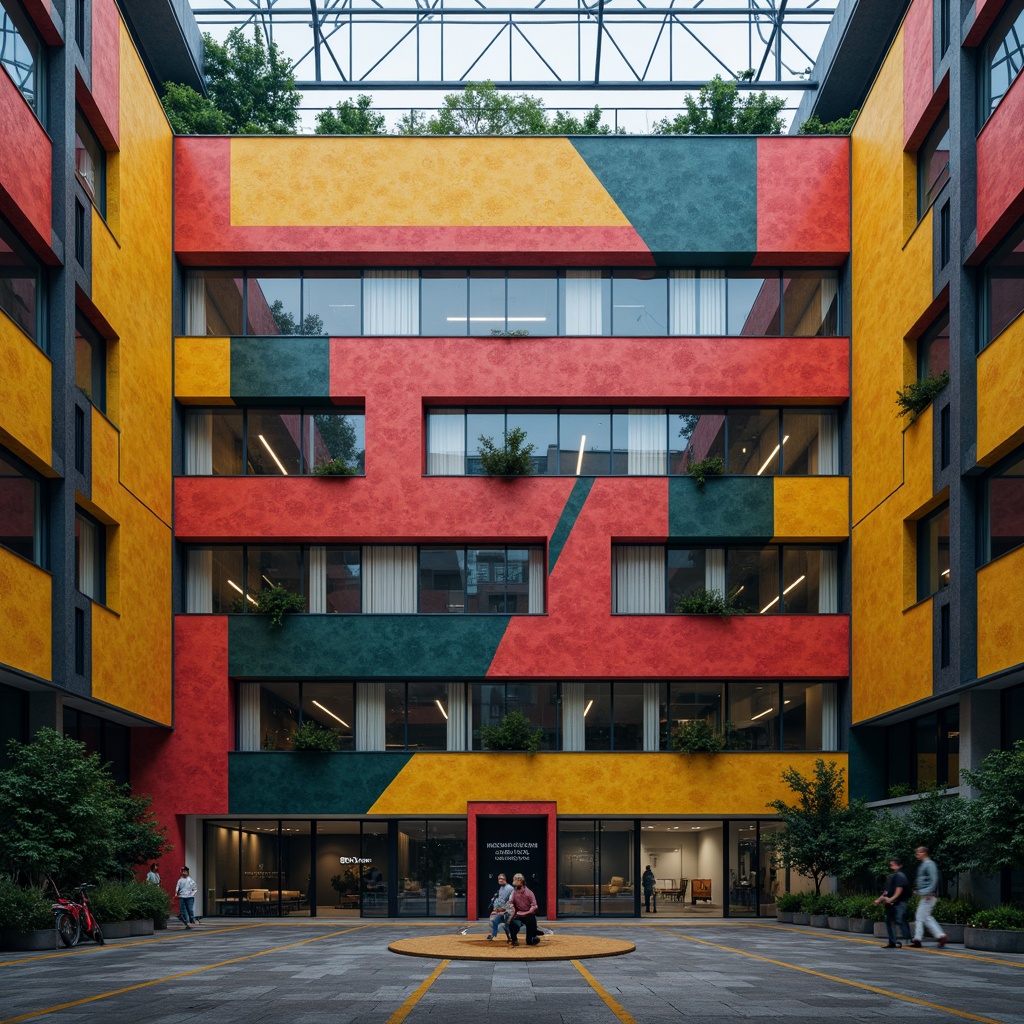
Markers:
573,507
293,782
281,368
741,507
692,200
364,646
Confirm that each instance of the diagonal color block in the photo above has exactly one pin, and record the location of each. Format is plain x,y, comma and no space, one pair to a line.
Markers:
566,521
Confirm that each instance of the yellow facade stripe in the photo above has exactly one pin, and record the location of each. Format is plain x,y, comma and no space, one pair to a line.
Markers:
832,977
1000,385
812,508
416,182
620,1012
32,1015
406,1008
202,370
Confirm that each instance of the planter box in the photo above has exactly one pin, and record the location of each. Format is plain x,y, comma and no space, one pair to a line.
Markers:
880,931
839,924
143,927
992,940
40,938
954,932
819,920
799,917
116,929
861,925
160,924
785,916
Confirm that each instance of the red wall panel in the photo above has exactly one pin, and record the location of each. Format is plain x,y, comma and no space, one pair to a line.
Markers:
41,13
1000,158
985,13
918,74
106,72
803,201
25,160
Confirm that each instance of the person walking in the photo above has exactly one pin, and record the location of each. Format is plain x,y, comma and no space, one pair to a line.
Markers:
926,885
897,889
648,883
154,874
499,906
186,890
524,912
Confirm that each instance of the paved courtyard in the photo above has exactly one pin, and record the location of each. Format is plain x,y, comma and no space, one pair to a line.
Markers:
335,973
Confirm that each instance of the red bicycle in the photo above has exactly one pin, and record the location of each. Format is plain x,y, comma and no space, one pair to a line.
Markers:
73,918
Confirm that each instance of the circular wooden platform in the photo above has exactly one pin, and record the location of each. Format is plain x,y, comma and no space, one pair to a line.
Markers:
475,946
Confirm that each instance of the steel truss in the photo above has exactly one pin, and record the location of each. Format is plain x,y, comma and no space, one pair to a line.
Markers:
534,44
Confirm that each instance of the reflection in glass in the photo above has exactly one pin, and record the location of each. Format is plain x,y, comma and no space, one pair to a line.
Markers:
19,282
686,573
224,427
280,566
1005,509
427,716
533,301
213,303
933,349
486,302
89,539
753,716
585,443
20,511
752,579
541,427
616,895
279,715
585,302
332,302
809,580
754,444
811,446
90,163
335,436
444,301
274,305
805,707
1005,278
933,164
378,872
597,716
933,553
489,424
274,442
754,303
639,438
694,435
331,706
442,580
688,702
344,580
810,303
577,868
639,303
21,52
217,571
221,845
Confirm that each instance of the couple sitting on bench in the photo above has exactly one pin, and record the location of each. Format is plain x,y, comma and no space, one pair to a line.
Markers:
514,906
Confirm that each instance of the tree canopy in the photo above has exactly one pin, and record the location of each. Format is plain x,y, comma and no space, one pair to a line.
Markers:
348,118
995,824
840,126
718,109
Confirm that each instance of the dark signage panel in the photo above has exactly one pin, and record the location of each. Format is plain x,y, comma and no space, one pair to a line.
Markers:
512,844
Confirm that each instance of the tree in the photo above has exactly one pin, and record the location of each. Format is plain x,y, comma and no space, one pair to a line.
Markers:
514,733
348,118
719,110
312,324
251,84
840,126
63,817
823,835
995,816
564,123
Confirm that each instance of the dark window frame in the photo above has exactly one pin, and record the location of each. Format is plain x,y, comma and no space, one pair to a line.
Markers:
985,555
1014,239
97,191
39,514
100,555
465,549
1011,18
22,26
929,191
924,556
27,260
97,394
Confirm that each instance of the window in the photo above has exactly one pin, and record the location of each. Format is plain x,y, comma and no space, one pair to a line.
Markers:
933,553
945,238
90,363
415,716
20,292
1004,56
933,349
503,580
538,701
639,303
943,26
90,543
1004,285
273,442
1003,509
21,53
80,25
90,163
21,509
924,753
933,164
274,305
79,234
269,714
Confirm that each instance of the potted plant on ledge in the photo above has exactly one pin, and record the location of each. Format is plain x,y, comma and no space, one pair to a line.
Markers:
514,458
276,601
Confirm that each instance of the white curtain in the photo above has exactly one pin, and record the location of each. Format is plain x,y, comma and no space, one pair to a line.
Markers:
198,442
370,716
638,579
87,552
317,579
458,710
248,716
828,582
714,570
199,581
583,302
195,304
536,591
682,302
829,288
573,732
652,716
446,440
828,444
829,717
389,579
712,302
647,430
391,302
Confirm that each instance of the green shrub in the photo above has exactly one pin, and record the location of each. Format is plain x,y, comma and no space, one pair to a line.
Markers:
918,395
1005,918
335,467
788,901
514,458
111,901
697,737
24,909
713,465
957,911
863,905
148,901
276,601
809,903
514,733
830,903
705,602
312,736
898,789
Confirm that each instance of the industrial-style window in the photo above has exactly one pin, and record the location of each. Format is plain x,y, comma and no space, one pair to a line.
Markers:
90,163
22,53
1004,56
20,279
90,363
1004,286
21,509
933,553
1002,517
933,164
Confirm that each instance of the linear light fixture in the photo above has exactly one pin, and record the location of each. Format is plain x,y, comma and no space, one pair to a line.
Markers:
586,710
579,460
793,584
273,454
774,601
497,319
761,714
232,583
267,578
772,456
440,707
327,711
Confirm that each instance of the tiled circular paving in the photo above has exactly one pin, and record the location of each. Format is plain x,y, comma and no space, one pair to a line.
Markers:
477,947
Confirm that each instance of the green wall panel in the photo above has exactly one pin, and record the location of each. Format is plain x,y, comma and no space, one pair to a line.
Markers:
279,782
364,646
692,200
741,507
278,367
567,520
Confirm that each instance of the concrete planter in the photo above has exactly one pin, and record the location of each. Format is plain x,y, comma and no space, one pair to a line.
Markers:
861,925
879,930
39,938
992,940
143,927
784,916
819,920
799,917
954,932
116,929
839,924
160,924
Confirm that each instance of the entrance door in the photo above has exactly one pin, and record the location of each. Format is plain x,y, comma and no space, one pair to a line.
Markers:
513,844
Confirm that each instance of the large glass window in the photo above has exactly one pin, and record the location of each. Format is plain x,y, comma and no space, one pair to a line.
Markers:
444,302
933,553
1004,279
753,716
284,566
90,363
505,580
933,164
21,53
1004,56
687,573
89,557
213,302
810,302
21,509
923,753
274,306
755,303
1004,509
415,716
91,163
332,303
639,303
432,868
754,442
586,443
596,868
933,349
19,282
537,701
274,442
684,702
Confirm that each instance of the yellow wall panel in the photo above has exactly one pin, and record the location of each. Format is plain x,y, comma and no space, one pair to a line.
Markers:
25,389
1000,387
416,182
25,618
202,370
1000,624
812,507
597,783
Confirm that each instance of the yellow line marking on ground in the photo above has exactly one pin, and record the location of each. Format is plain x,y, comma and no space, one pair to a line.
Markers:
406,1008
170,977
832,977
620,1012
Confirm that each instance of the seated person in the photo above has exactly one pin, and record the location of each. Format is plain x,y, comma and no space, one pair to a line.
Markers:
499,906
524,913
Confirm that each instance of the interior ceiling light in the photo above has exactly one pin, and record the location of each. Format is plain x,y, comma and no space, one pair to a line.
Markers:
497,319
327,711
586,710
772,456
794,583
761,714
774,601
440,707
249,598
273,454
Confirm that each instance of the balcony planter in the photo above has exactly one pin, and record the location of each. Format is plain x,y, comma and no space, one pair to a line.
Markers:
839,924
994,940
880,931
819,920
954,932
861,925
38,938
784,916
799,917
116,929
160,924
142,927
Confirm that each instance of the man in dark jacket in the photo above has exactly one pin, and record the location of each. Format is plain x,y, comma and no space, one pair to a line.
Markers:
897,889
